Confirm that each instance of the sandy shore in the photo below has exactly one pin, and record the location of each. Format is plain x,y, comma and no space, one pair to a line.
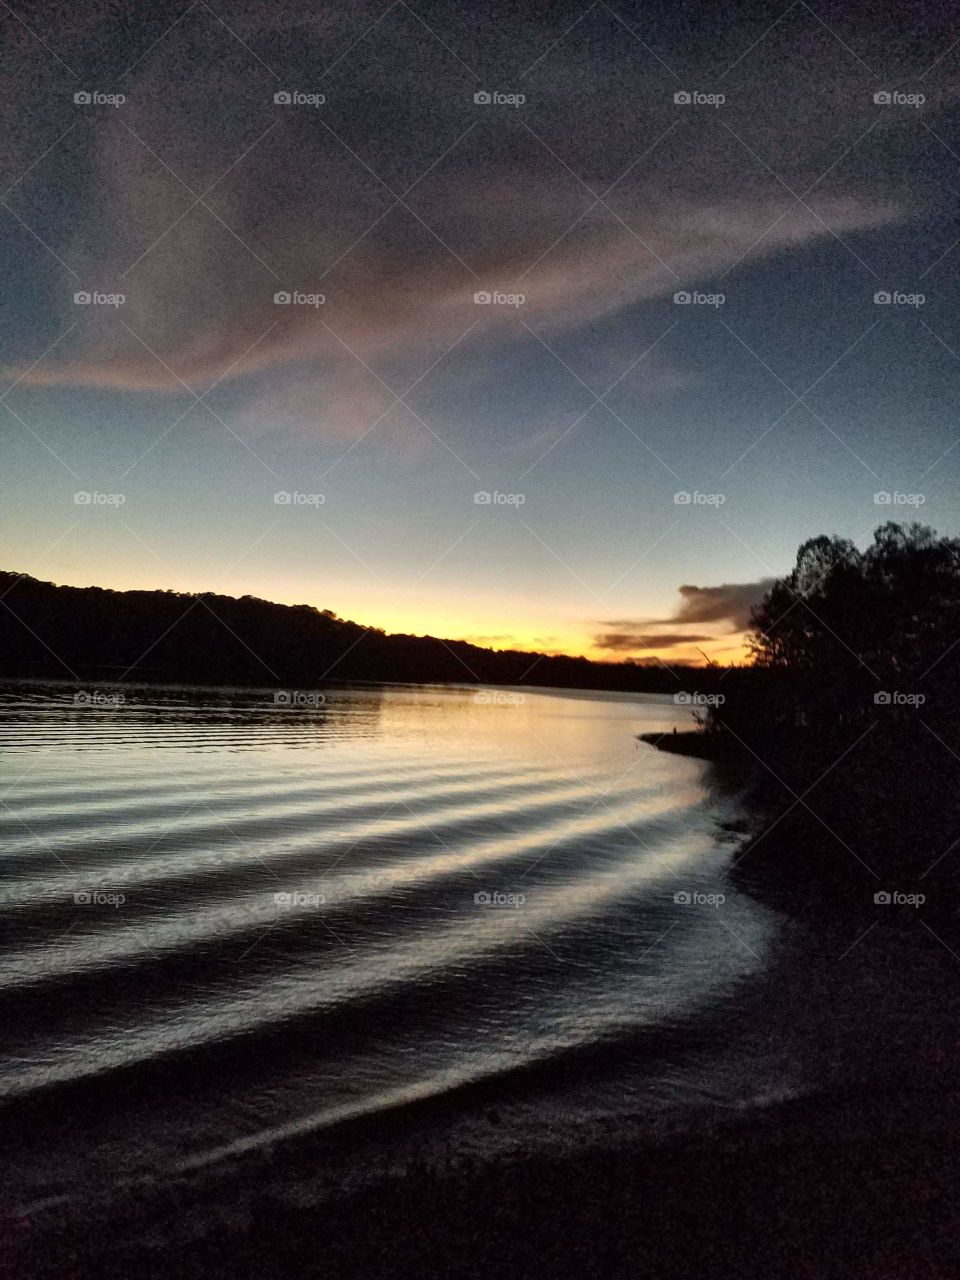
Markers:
829,1187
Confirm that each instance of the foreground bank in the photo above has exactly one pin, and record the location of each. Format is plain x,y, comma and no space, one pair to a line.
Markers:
835,1186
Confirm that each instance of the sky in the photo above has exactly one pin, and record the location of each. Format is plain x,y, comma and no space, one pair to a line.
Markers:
555,327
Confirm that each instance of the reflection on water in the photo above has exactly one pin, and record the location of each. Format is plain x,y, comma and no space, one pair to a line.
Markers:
246,918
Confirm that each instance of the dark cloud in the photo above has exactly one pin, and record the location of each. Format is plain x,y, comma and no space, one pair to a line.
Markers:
625,641
731,600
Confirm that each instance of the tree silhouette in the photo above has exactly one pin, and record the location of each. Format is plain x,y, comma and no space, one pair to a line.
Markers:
88,633
852,701
893,600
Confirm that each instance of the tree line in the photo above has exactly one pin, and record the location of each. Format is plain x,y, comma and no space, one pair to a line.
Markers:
846,721
89,633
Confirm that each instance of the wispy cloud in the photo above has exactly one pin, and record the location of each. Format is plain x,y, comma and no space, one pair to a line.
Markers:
395,215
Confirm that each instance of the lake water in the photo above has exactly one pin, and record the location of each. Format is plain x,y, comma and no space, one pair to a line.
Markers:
228,924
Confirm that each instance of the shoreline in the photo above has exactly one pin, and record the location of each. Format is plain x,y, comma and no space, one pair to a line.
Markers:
851,1180
688,742
852,1184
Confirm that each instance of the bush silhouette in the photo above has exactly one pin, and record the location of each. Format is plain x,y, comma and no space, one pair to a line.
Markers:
847,721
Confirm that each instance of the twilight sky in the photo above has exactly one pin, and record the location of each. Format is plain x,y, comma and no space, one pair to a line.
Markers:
650,464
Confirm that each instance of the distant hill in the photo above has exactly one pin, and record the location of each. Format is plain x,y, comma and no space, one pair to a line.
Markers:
89,633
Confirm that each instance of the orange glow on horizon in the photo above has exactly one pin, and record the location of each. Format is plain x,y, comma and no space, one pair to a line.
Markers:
538,625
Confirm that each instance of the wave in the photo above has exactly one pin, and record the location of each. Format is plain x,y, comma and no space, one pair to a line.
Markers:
400,900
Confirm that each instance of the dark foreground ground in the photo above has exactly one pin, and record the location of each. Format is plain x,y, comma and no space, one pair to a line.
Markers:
832,1187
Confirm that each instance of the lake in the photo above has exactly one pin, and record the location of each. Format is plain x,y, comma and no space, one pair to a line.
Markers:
483,920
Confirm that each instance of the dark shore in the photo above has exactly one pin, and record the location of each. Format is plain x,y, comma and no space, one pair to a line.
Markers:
839,1186
688,743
